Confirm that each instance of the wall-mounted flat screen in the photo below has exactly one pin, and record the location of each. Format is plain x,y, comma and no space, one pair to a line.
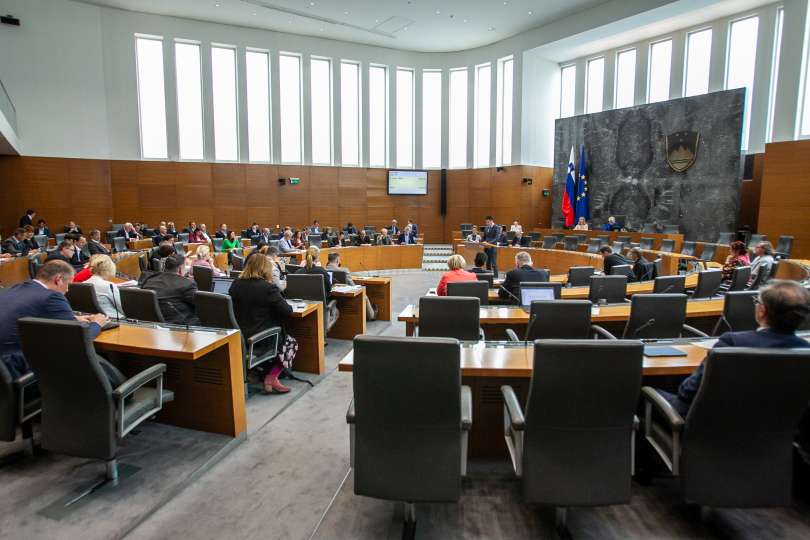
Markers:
407,182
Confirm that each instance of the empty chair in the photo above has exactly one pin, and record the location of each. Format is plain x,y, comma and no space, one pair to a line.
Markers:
183,237
312,287
580,276
617,246
485,276
739,278
725,237
658,316
314,240
571,243
450,316
204,277
339,277
732,451
82,415
474,289
646,243
707,255
549,242
415,453
143,261
109,235
593,245
622,270
119,244
625,240
557,319
82,297
738,313
140,304
670,284
688,248
608,289
218,243
754,240
59,237
41,240
604,239
708,283
783,247
574,445
667,245
19,405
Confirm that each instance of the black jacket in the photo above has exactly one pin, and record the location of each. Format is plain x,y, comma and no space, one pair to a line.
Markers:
318,270
517,275
364,241
258,305
175,296
26,220
14,246
96,248
614,259
75,230
644,270
523,241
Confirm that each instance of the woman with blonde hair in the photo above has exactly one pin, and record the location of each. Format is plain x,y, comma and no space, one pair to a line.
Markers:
455,263
107,294
258,305
203,258
312,265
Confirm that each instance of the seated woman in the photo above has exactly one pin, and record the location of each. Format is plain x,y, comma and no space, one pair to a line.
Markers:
258,305
473,236
457,273
196,236
298,240
516,226
312,265
738,256
203,258
581,225
232,242
102,268
480,263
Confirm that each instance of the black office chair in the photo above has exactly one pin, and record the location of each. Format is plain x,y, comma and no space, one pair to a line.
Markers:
59,237
611,289
549,242
450,316
738,313
646,243
204,277
657,316
623,270
577,432
82,415
557,319
754,240
475,289
42,241
617,246
311,287
119,244
489,277
141,304
725,238
293,268
783,247
580,276
218,243
593,245
417,453
20,403
35,262
762,277
708,283
688,248
571,243
553,285
82,297
732,451
183,237
739,279
143,261
314,240
237,262
109,235
339,277
669,284
625,240
604,239
667,245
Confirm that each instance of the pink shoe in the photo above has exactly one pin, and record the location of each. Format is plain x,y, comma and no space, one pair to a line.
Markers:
273,386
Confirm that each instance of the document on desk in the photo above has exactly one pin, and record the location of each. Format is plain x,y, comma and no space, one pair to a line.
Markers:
297,305
347,288
705,344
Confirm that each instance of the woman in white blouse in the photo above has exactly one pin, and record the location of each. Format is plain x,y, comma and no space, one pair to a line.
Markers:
516,226
107,294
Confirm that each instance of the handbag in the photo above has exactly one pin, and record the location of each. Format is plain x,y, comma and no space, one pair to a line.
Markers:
289,349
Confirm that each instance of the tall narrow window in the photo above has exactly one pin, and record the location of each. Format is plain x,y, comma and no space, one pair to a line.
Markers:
568,88
321,94
289,94
350,113
483,100
777,51
189,99
404,118
377,116
257,71
626,78
503,122
151,97
659,71
595,84
431,119
698,56
458,119
223,77
742,59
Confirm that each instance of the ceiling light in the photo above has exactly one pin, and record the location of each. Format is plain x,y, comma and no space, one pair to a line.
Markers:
438,12
345,12
216,5
311,4
491,28
530,13
465,20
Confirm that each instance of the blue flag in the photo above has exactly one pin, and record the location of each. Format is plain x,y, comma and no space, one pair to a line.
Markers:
582,208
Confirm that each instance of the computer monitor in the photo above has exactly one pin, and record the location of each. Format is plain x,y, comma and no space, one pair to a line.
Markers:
529,294
222,284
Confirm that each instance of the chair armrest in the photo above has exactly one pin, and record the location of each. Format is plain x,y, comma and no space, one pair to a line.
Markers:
331,304
694,331
350,413
21,384
24,381
466,408
511,335
133,383
598,330
510,401
264,334
672,417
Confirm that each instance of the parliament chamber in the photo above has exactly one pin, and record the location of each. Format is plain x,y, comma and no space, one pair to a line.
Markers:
404,270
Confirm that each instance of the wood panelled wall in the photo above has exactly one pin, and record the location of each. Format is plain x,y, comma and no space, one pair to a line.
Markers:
785,198
95,193
750,193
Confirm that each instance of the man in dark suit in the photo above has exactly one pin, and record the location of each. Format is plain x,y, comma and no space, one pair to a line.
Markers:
64,252
406,236
94,246
414,229
351,229
128,232
44,297
15,244
492,233
80,253
611,259
519,240
222,232
643,270
175,292
781,308
393,230
161,236
72,228
28,218
523,272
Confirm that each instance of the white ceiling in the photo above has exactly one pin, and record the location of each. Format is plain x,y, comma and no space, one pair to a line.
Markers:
416,25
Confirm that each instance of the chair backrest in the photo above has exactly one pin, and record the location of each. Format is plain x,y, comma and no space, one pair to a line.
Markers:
646,243
617,246
755,238
82,297
738,313
739,278
180,248
119,244
141,304
555,286
203,276
708,252
218,243
510,235
669,284
143,261
449,316
476,289
571,243
688,247
306,287
78,414
578,429
725,237
9,405
623,239
314,239
658,316
339,276
611,289
183,237
549,241
604,239
237,262
41,240
59,238
784,245
407,452
667,245
489,277
763,276
622,270
535,236
215,310
559,319
738,451
580,276
593,245
708,283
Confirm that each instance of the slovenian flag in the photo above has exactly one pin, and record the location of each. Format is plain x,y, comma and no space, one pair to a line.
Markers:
570,193
582,207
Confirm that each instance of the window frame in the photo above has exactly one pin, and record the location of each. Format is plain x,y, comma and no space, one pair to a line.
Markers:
671,42
161,40
359,67
440,72
412,144
620,52
234,49
465,116
588,80
500,114
476,116
385,114
266,52
688,35
199,45
570,65
331,101
300,59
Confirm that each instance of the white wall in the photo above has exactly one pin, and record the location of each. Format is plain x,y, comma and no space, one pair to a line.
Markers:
541,107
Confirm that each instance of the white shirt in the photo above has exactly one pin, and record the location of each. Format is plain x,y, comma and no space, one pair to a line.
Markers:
105,296
516,228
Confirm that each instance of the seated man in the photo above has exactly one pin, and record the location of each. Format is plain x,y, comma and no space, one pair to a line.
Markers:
175,292
523,271
222,232
333,265
480,263
128,232
43,297
406,236
643,270
519,240
384,239
611,259
781,308
72,228
611,225
362,238
63,252
80,257
15,244
762,265
161,236
42,228
350,228
192,226
95,246
414,229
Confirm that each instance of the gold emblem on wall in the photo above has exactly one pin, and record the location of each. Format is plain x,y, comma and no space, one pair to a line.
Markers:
682,148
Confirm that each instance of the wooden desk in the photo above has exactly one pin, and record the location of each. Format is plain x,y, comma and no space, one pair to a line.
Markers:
793,269
352,308
558,261
137,245
306,326
127,263
364,258
634,236
204,370
378,290
14,270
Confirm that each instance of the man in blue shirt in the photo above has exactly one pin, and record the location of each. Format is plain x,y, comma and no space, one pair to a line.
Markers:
611,225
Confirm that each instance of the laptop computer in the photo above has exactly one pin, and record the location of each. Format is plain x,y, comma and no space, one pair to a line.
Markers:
222,284
529,294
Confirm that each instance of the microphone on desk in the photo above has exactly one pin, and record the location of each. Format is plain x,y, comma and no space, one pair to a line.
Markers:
510,294
648,324
115,304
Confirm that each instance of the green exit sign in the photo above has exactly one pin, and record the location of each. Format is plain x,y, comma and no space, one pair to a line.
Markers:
294,181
